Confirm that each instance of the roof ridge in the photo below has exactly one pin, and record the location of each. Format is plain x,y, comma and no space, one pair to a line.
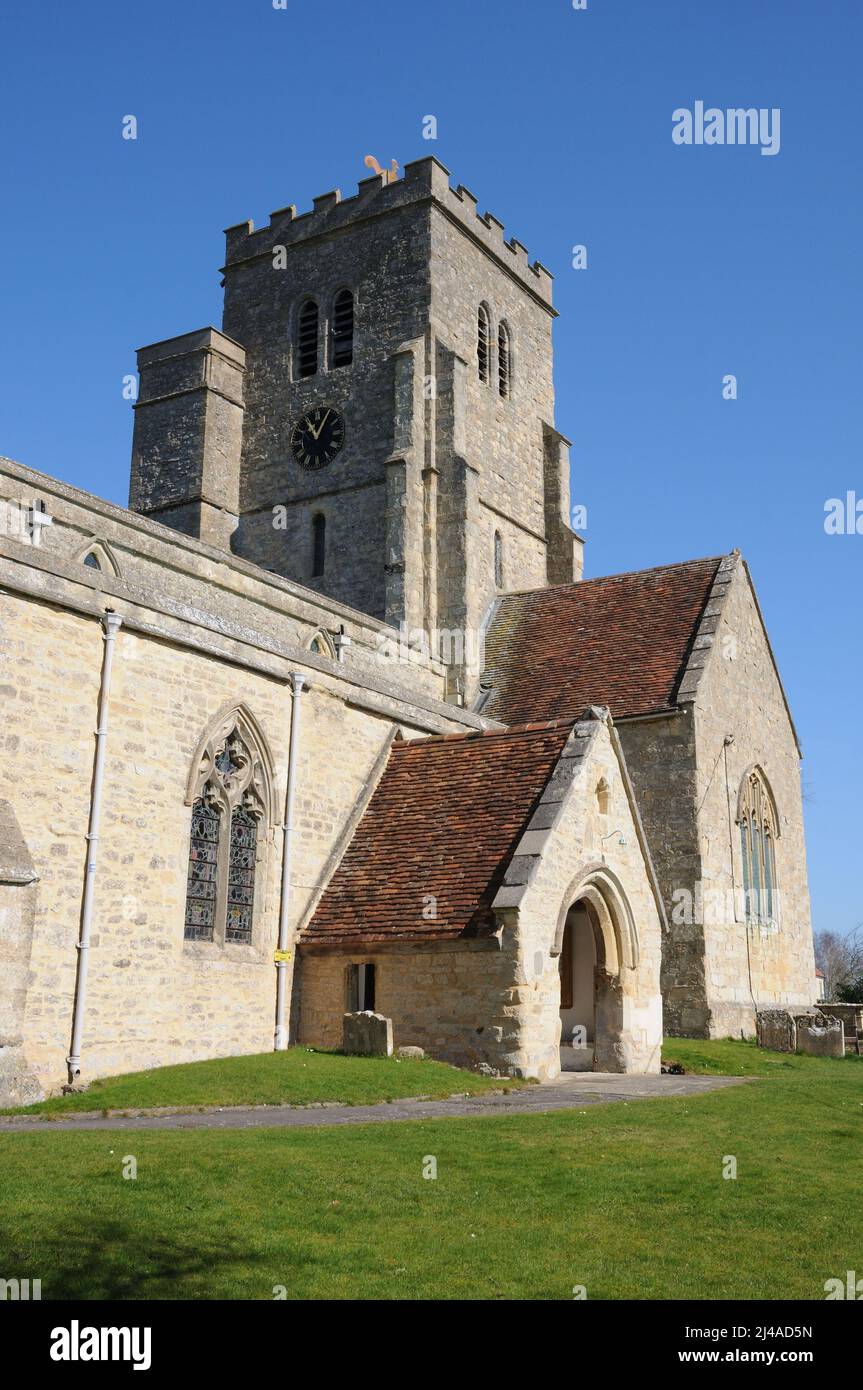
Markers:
510,730
581,584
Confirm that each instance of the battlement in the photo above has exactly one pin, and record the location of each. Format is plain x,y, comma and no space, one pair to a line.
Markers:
424,180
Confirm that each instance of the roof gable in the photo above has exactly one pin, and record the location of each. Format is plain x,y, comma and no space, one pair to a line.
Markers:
621,641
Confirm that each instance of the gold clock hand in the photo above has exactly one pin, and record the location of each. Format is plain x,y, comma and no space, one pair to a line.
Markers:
316,433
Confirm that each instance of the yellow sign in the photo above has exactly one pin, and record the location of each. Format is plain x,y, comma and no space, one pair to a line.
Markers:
281,955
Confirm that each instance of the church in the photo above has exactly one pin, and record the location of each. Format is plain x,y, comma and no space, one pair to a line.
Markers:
329,718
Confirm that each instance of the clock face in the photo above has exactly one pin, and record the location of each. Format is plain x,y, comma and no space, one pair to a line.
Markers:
317,437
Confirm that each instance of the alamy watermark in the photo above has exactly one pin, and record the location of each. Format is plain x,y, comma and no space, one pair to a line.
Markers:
736,125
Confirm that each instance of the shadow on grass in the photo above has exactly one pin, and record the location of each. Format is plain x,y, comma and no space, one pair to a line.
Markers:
108,1259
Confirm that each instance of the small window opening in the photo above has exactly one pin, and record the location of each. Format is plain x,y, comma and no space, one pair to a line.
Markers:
319,545
361,988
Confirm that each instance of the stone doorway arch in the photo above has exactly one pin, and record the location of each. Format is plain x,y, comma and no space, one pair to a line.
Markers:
595,941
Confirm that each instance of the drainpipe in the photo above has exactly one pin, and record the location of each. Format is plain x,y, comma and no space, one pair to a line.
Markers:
280,1041
112,624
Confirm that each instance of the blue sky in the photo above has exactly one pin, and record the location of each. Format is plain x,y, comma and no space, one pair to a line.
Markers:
702,261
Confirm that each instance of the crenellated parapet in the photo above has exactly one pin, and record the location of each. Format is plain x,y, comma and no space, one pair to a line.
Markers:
425,181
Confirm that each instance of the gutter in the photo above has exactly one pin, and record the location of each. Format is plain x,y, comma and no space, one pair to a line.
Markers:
112,622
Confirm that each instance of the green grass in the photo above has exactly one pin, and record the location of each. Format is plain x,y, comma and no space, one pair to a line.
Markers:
727,1057
626,1199
299,1076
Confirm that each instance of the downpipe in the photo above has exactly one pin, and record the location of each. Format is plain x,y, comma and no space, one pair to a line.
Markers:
111,626
280,1041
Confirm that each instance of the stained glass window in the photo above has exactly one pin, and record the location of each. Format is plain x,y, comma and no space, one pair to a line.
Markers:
203,868
227,814
241,876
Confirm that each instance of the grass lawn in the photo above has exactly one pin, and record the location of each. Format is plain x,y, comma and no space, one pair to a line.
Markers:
296,1077
625,1199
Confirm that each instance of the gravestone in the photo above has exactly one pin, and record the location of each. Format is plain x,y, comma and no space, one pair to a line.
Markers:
367,1035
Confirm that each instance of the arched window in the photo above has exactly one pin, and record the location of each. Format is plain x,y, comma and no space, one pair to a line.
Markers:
229,795
498,560
343,329
307,339
319,544
504,361
322,644
483,335
759,831
98,555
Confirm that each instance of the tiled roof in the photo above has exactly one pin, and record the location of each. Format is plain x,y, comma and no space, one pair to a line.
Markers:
622,641
442,824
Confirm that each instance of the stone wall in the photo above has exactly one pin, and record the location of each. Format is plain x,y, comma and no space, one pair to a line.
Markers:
660,755
383,259
197,637
501,438
583,854
740,695
451,999
716,970
18,1085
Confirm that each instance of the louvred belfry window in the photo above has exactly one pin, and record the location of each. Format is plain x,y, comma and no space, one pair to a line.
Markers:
482,343
307,339
504,361
228,816
343,329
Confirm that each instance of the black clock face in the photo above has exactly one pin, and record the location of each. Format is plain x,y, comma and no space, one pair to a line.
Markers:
317,437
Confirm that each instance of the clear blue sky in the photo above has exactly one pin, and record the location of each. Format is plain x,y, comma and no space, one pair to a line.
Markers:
702,261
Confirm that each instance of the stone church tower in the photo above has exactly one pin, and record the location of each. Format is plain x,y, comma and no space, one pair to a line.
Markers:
375,420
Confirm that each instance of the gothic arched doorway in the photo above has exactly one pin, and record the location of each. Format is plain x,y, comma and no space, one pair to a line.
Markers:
595,939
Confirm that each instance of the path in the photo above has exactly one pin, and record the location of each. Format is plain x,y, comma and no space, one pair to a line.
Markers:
572,1091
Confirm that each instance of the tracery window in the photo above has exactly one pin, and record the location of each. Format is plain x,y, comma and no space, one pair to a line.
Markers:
229,812
756,817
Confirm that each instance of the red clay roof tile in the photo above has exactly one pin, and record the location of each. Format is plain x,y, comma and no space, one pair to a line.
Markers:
442,823
620,641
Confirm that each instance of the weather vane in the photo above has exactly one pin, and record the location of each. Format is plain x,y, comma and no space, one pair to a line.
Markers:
390,175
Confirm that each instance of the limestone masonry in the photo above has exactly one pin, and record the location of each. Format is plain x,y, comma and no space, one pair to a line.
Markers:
533,820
